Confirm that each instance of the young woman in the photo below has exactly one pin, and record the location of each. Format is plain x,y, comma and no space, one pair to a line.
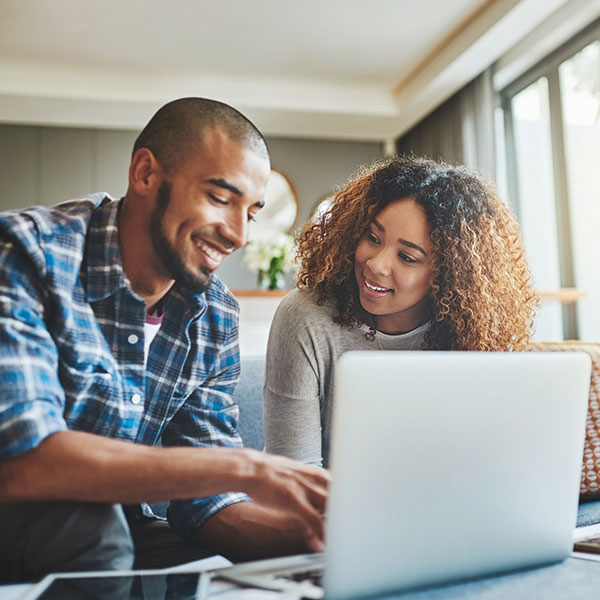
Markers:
412,255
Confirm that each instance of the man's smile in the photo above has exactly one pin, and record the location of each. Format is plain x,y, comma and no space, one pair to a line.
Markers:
212,253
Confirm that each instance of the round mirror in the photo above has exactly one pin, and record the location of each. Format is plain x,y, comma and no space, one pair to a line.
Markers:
280,211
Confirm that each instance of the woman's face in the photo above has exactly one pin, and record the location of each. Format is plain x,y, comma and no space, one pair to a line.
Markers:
392,266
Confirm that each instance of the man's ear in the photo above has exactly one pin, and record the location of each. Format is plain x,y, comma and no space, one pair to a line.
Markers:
145,172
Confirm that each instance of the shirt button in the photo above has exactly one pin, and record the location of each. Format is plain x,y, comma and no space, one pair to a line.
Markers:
136,399
133,339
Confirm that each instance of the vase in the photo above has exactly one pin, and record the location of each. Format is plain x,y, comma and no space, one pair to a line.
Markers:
271,280
277,281
263,280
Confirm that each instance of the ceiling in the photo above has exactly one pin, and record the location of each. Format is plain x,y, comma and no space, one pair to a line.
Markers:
337,69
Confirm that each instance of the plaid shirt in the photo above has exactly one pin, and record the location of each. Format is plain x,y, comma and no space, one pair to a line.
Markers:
72,346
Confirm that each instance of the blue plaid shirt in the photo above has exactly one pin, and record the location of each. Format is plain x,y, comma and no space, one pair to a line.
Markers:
72,346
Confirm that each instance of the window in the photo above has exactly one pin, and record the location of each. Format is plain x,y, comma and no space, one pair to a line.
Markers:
552,126
579,79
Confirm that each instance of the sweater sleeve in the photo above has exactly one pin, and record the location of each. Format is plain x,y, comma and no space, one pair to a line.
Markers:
292,392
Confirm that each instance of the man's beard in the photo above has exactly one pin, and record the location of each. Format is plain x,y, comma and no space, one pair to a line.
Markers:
167,255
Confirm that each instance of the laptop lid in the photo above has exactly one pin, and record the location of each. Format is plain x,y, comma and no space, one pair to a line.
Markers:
449,465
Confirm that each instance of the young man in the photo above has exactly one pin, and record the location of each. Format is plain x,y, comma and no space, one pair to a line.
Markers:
119,356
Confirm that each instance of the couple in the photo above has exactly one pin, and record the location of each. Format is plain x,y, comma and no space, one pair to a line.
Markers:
119,354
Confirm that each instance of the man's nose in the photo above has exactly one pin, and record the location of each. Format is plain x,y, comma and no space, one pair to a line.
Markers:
235,229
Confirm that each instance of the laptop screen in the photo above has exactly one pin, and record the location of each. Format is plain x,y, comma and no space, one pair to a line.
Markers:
436,453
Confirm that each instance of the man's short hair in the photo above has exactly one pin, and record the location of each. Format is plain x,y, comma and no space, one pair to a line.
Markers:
175,132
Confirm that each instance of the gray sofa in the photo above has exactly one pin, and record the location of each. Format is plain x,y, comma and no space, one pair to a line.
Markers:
248,395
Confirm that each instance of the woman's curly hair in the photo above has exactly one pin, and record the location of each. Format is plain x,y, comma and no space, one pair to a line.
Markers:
481,293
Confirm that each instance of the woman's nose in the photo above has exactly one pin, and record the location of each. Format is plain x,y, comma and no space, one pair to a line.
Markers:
379,263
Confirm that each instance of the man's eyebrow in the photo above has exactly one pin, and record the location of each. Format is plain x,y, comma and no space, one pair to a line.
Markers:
405,242
223,183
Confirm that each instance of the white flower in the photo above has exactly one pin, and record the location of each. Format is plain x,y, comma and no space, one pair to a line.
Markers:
259,253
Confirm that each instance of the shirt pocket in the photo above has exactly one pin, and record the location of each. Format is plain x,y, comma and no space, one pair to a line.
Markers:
94,397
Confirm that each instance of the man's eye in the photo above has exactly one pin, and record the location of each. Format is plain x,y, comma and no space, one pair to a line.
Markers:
216,199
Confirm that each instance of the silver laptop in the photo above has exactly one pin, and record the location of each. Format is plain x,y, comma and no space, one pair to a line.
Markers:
445,466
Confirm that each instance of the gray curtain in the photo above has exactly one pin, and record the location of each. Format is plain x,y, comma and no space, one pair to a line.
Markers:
461,130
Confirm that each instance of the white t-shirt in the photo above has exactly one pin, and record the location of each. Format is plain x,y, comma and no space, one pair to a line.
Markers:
151,327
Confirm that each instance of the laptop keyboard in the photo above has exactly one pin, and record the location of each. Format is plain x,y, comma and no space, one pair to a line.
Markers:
303,579
313,576
589,544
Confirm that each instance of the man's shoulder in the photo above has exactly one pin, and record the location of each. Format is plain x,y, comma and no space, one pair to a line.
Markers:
221,305
218,314
52,238
43,223
219,293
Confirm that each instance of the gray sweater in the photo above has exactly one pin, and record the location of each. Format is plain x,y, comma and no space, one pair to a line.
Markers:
304,345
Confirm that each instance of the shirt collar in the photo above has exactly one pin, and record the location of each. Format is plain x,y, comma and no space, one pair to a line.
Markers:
103,264
195,303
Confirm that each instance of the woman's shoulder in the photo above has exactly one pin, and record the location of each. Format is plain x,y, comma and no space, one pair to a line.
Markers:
302,306
304,300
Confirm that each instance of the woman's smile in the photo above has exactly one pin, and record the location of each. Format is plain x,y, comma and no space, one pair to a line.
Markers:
375,290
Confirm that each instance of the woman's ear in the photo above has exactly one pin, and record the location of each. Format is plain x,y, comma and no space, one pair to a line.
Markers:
145,172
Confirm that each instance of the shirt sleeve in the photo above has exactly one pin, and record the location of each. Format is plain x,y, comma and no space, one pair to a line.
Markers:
209,417
291,396
31,398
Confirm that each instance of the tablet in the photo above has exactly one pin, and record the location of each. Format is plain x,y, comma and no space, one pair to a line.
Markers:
118,585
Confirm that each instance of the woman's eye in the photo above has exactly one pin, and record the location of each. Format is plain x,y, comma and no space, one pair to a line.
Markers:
372,238
406,258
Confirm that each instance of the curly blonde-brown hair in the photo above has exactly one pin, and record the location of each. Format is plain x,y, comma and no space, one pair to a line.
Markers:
481,293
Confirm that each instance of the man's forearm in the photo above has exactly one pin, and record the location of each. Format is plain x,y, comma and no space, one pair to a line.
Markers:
73,465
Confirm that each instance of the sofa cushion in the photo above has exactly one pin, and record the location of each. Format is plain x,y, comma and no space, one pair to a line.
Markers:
248,395
590,473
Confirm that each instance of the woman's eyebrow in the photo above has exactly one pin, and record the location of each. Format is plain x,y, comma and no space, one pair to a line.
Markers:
413,246
405,242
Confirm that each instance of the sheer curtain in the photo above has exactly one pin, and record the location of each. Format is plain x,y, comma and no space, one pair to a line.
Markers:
461,130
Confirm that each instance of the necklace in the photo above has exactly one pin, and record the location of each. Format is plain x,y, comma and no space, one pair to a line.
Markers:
412,344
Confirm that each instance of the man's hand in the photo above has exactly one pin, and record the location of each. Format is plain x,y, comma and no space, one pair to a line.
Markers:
295,493
251,531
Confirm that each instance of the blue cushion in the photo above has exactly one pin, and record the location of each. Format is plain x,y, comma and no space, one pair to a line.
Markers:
588,514
248,395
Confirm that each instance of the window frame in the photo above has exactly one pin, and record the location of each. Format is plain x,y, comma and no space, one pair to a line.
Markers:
549,68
